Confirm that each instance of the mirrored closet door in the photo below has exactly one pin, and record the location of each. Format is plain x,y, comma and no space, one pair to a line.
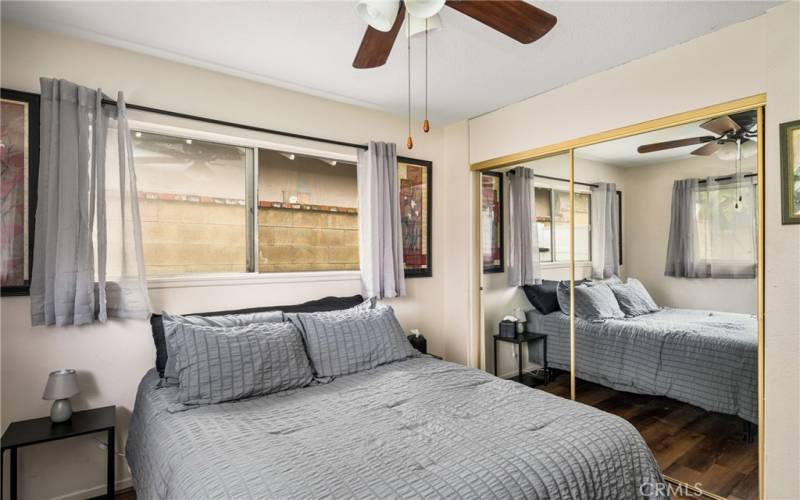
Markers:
666,334
525,238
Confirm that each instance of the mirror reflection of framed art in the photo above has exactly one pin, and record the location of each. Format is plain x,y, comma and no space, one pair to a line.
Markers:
19,158
492,222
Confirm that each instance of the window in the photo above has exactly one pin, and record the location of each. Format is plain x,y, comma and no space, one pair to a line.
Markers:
544,223
194,197
725,242
552,224
307,213
192,201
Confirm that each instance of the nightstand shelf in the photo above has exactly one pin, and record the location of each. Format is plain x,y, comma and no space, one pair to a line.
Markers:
524,338
42,430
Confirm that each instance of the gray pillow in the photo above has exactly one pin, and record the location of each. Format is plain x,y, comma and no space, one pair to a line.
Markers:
225,364
592,302
171,321
633,298
350,341
613,280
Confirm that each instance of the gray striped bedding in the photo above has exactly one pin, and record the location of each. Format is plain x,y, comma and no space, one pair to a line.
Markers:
420,428
704,358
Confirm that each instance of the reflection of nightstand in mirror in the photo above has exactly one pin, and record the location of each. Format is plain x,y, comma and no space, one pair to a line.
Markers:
42,430
538,340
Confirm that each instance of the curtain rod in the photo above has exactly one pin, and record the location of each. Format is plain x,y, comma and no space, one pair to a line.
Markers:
109,102
703,181
511,172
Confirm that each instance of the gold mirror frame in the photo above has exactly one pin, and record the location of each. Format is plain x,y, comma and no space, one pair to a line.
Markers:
756,102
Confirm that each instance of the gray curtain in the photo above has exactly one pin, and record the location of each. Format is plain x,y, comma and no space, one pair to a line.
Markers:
523,251
681,245
605,230
68,286
380,232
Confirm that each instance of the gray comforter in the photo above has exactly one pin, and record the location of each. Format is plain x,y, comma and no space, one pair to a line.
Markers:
704,358
411,429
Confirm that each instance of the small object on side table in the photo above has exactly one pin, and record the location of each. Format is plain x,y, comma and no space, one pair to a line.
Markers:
61,385
43,430
418,341
508,329
524,339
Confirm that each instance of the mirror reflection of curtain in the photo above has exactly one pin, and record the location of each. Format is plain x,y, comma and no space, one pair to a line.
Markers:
713,232
523,252
605,230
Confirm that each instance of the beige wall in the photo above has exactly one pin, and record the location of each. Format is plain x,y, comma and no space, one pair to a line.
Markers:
681,79
112,358
647,208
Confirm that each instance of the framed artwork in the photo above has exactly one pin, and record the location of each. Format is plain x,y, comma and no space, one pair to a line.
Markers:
790,171
415,215
492,222
19,159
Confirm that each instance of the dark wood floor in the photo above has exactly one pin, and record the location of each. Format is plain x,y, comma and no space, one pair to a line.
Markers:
690,444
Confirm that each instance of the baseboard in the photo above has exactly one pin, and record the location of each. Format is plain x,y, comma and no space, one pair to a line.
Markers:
96,491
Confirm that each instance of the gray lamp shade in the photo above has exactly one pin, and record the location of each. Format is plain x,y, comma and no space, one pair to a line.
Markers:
61,384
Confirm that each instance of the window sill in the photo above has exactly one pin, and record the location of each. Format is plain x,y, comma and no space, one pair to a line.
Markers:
564,265
232,279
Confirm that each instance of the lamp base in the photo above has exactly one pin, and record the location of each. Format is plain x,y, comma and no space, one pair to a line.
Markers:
61,411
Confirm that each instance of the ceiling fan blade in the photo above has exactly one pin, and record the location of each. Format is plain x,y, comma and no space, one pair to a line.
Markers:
376,45
721,125
660,146
515,18
707,150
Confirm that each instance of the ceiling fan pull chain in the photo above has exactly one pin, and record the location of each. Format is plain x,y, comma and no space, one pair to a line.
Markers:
426,126
409,141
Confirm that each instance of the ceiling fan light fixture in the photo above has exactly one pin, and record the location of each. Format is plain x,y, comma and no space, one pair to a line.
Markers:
380,14
728,150
424,8
416,25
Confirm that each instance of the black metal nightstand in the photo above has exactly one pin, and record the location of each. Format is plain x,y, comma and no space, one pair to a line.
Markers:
524,338
42,430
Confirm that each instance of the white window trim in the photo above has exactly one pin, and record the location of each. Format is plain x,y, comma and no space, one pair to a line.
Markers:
229,279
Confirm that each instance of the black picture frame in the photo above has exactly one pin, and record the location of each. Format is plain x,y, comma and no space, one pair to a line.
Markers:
33,102
788,177
427,271
501,267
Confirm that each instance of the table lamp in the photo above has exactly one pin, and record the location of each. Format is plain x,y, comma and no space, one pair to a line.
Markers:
61,385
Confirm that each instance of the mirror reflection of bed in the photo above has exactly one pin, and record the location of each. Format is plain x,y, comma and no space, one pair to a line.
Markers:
665,298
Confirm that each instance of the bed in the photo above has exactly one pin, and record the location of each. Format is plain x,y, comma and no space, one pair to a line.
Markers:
410,429
704,358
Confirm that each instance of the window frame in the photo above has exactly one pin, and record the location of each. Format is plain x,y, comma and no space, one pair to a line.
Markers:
251,273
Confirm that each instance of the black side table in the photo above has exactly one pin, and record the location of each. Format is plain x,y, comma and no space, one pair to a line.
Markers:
524,338
42,430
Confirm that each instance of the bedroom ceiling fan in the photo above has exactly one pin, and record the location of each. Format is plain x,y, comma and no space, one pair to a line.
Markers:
514,18
732,130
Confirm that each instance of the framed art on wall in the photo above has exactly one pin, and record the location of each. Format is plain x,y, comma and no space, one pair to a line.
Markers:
790,171
492,222
19,159
415,215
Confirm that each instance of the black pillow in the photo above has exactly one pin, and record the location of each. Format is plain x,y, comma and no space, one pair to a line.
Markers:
324,304
544,297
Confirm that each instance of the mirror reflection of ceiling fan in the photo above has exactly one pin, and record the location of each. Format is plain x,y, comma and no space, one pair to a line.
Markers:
515,18
731,133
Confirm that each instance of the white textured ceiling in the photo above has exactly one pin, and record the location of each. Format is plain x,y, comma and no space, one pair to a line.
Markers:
309,46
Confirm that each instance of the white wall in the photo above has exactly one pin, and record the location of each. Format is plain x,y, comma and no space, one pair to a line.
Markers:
112,358
699,73
499,299
647,210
